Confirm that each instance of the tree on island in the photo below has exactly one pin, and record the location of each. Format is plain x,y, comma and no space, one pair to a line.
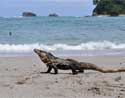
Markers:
109,7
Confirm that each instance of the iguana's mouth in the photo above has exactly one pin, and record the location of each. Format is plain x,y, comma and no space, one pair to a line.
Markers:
36,50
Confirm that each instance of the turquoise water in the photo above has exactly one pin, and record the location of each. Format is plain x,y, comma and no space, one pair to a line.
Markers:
63,34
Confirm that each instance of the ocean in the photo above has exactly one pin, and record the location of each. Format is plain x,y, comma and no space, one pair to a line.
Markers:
63,36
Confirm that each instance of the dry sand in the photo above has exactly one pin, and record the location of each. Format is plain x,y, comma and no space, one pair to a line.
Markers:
20,77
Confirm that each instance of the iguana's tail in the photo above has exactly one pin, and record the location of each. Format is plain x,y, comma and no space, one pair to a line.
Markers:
90,66
113,70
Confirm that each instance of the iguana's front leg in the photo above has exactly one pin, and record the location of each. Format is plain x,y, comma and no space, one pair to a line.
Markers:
81,71
49,69
55,69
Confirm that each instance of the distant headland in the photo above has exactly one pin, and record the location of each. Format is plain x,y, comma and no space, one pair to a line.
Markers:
109,7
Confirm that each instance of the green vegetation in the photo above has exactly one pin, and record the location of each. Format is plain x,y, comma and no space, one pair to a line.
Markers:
110,7
95,1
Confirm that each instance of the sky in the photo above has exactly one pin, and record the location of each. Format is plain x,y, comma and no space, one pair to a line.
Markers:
10,8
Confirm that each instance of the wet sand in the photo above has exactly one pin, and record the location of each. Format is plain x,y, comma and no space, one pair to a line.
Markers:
20,77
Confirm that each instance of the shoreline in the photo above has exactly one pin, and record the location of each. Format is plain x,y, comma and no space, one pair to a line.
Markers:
71,53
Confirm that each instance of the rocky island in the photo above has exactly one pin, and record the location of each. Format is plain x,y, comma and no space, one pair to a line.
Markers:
28,14
109,7
53,15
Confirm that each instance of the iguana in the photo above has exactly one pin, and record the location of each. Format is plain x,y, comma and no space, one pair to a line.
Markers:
56,63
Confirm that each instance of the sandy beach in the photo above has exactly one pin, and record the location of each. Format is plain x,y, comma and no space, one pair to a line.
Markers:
21,78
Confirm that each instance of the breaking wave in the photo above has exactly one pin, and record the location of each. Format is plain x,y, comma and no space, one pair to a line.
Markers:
83,46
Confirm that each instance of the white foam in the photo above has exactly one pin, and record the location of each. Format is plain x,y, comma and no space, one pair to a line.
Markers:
82,46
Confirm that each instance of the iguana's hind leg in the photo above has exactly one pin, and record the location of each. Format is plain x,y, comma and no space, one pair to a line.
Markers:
73,70
81,71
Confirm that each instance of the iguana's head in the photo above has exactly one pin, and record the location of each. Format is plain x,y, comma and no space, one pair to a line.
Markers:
44,56
38,51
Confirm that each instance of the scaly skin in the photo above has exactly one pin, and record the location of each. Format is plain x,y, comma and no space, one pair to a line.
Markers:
56,63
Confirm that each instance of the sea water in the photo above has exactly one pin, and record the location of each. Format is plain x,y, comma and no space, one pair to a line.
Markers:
74,36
